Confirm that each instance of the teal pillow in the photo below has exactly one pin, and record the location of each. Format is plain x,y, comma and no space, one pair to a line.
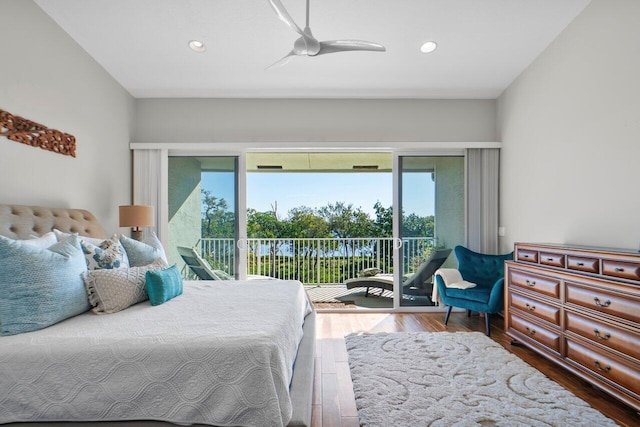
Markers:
40,287
144,252
162,285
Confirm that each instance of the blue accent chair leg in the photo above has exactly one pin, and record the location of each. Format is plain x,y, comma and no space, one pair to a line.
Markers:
487,323
446,317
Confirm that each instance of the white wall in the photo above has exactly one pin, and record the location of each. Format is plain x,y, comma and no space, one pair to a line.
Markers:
47,78
570,129
266,120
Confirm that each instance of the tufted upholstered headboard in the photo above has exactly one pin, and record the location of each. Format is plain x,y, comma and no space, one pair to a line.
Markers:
26,222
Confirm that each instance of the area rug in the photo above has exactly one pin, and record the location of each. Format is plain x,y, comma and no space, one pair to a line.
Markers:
455,379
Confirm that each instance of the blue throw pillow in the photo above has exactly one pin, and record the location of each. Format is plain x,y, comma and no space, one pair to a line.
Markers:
162,285
144,252
40,287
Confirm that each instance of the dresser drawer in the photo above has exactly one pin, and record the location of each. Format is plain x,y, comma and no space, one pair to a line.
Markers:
624,340
544,285
622,306
543,336
535,308
553,260
527,256
622,269
590,265
605,365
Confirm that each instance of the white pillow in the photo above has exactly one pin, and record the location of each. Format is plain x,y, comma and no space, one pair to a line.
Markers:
42,242
61,235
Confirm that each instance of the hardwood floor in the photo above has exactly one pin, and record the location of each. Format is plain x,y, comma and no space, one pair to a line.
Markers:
334,402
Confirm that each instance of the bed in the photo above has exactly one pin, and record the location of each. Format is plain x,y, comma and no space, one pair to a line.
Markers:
200,358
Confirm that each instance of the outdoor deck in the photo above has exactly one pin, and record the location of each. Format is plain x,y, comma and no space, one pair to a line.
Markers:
338,296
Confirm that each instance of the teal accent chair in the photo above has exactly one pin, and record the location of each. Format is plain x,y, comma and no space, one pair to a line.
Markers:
487,272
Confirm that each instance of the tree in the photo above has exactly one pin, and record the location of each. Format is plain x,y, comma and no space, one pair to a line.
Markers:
303,222
383,224
217,220
346,221
417,226
265,225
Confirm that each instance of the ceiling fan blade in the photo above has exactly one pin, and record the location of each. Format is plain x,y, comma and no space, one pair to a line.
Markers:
333,46
309,45
285,17
282,61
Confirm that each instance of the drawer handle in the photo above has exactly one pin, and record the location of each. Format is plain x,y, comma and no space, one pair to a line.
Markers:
549,259
604,337
607,303
580,264
526,256
531,282
619,269
530,307
600,368
531,331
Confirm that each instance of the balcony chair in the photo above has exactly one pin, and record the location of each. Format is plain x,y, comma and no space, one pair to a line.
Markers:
486,272
415,284
199,266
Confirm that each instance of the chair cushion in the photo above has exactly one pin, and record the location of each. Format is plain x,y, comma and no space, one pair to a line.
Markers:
470,294
482,269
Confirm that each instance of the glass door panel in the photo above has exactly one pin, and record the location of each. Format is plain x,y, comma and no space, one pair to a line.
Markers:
203,215
431,196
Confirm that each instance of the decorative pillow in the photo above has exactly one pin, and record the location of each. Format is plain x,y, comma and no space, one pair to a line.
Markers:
61,235
369,272
144,252
114,290
107,255
162,285
43,241
40,287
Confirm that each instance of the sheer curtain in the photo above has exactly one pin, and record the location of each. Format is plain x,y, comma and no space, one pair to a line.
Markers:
483,167
149,181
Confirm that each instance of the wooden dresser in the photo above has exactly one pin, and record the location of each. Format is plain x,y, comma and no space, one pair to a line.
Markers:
580,307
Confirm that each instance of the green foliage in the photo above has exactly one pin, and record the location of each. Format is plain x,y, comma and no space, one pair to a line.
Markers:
335,220
217,220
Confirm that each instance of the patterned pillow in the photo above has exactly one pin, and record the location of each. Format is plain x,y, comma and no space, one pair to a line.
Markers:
114,290
163,285
40,287
107,255
144,252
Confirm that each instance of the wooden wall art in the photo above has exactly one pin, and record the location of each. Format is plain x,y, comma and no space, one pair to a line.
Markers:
31,133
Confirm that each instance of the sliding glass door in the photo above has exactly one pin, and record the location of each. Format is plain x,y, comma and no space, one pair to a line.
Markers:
203,214
431,216
213,206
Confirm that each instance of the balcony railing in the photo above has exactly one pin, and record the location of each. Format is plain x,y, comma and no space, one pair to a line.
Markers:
316,261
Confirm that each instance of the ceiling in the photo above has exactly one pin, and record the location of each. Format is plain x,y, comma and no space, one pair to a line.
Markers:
483,45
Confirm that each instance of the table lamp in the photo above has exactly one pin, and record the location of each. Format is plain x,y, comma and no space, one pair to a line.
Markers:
136,216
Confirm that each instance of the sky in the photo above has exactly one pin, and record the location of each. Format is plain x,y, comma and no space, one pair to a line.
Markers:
295,189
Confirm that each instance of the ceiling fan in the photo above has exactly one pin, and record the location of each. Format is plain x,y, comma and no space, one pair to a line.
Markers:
307,45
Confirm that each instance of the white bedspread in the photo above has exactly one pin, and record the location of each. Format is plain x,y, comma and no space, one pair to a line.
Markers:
222,354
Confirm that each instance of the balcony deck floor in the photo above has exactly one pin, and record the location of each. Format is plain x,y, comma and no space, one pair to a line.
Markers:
338,296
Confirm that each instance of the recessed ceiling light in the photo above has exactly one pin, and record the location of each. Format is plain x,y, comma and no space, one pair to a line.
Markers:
428,47
197,46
